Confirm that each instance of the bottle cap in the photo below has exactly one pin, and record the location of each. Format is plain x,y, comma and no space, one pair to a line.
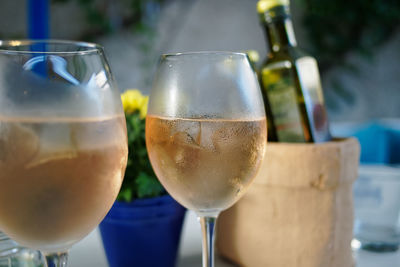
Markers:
265,5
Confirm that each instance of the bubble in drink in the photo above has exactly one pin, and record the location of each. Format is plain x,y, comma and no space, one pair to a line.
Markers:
58,178
205,164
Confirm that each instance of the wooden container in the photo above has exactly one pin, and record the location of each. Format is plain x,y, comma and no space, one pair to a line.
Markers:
299,210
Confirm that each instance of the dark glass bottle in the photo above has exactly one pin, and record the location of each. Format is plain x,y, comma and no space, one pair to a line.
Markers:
290,81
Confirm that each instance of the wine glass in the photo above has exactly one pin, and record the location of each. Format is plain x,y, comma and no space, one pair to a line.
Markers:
206,132
63,144
13,255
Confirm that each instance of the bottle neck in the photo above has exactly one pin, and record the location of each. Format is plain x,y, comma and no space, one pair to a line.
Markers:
280,33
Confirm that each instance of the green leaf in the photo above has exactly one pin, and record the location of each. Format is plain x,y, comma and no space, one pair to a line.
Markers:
148,186
140,180
125,195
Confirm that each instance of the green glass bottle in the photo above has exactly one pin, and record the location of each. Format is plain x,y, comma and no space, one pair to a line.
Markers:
290,81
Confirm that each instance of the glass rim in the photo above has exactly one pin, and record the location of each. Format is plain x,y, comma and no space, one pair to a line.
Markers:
7,45
196,53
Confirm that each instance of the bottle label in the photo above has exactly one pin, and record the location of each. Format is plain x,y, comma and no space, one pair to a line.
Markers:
314,101
282,98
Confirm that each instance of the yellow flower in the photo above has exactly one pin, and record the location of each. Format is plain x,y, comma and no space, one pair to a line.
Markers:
143,108
133,100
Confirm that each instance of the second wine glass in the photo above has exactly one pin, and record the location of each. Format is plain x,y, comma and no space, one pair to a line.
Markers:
206,132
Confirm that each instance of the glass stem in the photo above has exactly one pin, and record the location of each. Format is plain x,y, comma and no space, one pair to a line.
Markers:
207,229
58,259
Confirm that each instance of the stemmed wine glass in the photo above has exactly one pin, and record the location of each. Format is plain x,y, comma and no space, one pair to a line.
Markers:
63,144
206,132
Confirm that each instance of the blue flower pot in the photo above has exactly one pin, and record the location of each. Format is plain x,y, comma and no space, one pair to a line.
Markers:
143,233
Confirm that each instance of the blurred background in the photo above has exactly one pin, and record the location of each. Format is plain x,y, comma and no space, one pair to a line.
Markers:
357,43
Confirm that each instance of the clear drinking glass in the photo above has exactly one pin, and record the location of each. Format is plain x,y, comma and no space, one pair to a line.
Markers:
206,132
13,255
63,144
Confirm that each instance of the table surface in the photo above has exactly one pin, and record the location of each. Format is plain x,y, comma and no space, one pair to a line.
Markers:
90,252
